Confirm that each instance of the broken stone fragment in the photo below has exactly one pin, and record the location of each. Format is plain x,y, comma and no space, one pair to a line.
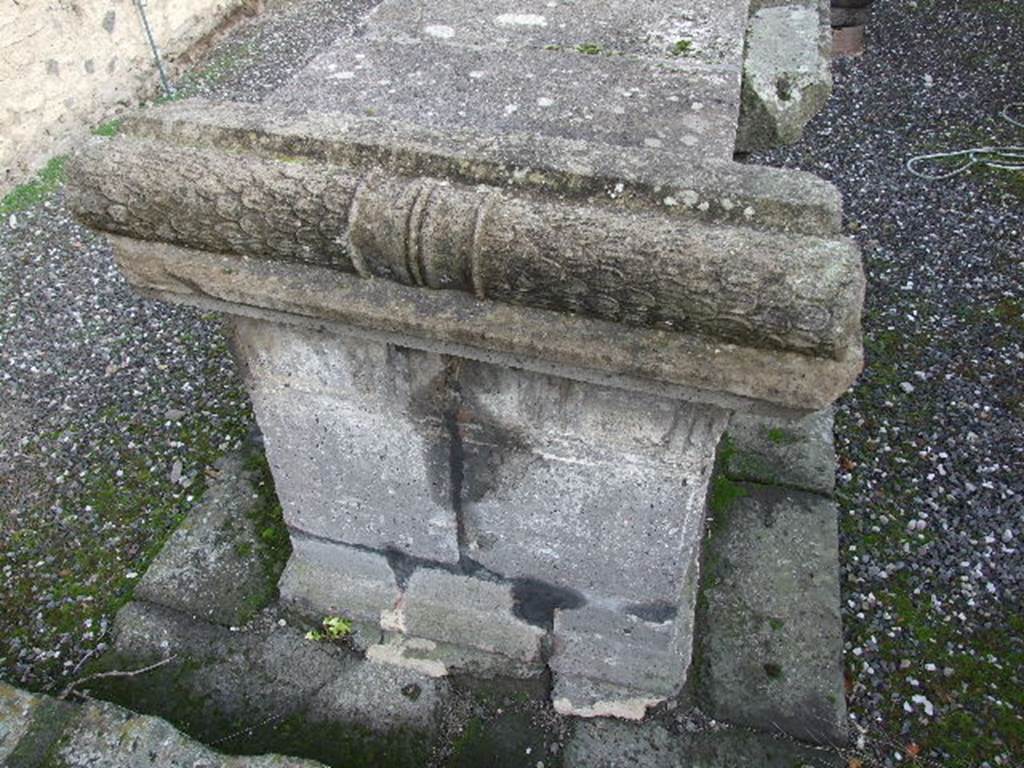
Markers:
786,76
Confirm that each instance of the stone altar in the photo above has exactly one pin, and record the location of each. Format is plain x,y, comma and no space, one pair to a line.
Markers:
498,290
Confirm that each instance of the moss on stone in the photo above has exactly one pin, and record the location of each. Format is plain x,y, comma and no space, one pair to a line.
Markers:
682,47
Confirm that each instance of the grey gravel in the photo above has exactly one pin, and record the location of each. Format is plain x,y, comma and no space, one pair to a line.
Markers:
931,440
113,407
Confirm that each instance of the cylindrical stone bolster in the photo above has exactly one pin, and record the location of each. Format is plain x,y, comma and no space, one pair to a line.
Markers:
760,289
212,200
641,267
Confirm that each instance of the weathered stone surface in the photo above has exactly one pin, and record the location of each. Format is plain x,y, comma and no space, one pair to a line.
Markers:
675,365
778,291
33,735
212,566
16,710
625,101
595,476
222,681
327,579
712,32
711,191
799,454
381,697
786,76
440,659
354,438
614,744
462,610
612,663
108,735
771,636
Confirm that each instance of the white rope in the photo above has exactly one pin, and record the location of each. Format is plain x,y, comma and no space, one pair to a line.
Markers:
1005,158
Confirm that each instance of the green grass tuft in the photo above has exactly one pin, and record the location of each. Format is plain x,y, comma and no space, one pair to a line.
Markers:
46,182
109,128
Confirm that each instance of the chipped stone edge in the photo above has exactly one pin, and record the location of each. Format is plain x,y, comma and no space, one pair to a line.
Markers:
623,709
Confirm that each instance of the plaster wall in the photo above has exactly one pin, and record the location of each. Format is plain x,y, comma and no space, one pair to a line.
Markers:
67,65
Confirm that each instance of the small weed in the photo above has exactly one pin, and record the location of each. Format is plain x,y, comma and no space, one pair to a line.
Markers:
682,48
334,628
591,49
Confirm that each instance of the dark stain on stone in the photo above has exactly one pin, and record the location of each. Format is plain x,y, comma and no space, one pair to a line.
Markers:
493,453
109,21
53,67
411,691
535,601
774,671
469,452
470,567
657,612
402,565
432,406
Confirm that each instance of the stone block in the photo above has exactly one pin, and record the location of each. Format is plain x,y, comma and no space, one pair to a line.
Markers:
382,698
326,579
214,565
616,744
355,437
771,633
110,736
786,75
562,479
16,710
612,663
222,681
798,454
466,611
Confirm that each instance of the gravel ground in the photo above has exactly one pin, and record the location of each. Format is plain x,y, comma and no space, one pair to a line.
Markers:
932,438
114,406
